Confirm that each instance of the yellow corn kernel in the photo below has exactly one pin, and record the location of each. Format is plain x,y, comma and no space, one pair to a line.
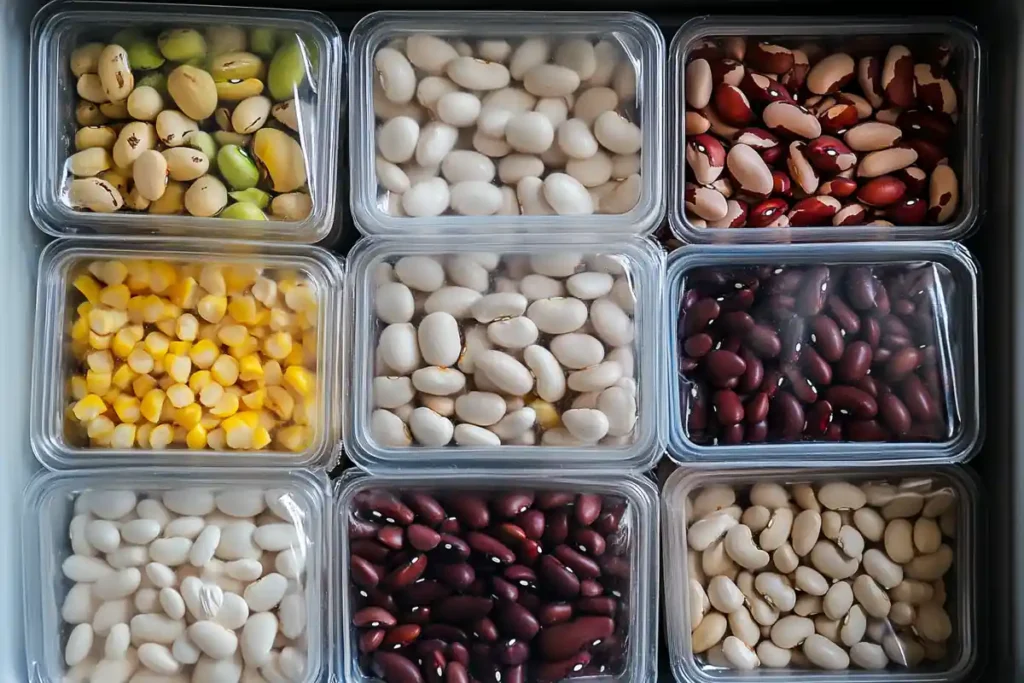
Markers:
265,291
232,335
97,382
186,327
260,438
255,399
226,406
300,299
216,439
89,407
152,309
280,319
185,293
80,330
280,402
211,278
180,395
211,308
267,420
189,416
300,379
153,404
272,373
167,327
240,277
238,435
262,318
101,430
138,275
179,436
278,345
123,436
211,394
115,296
225,370
179,348
79,349
125,340
109,396
196,438
236,390
167,412
123,377
171,311
142,434
143,384
139,360
297,355
179,368
161,437
100,341
249,368
204,353
250,346
209,422
128,408
89,288
165,382
547,414
243,309
162,276
293,438
78,387
137,309
199,380
100,361
109,272
208,331
83,309
305,411
106,321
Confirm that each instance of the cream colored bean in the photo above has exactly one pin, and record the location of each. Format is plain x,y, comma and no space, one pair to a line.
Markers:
530,194
824,653
399,348
616,134
850,541
556,109
778,529
712,499
558,315
724,595
791,631
593,171
883,570
871,596
739,543
869,523
740,655
394,303
529,132
939,503
612,324
841,496
806,531
475,198
769,495
805,497
709,529
831,562
743,626
566,195
772,656
429,53
902,614
756,517
435,141
455,301
927,535
429,428
715,561
577,351
475,74
808,605
899,541
593,102
439,381
397,139
506,372
530,53
903,650
831,523
500,305
596,378
710,631
395,74
776,591
838,600
931,566
811,581
462,165
459,109
785,559
903,505
868,656
912,592
515,167
427,198
698,602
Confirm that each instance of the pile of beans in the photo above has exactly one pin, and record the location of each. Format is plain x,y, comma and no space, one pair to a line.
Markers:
488,350
188,584
179,123
821,576
539,127
780,135
813,352
504,587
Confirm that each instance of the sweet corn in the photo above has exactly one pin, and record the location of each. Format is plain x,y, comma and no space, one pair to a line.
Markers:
136,309
232,335
238,436
162,276
300,379
139,360
165,382
97,382
216,439
109,272
547,414
211,394
243,309
179,436
305,411
179,368
210,422
180,395
185,293
89,288
143,384
272,373
225,370
208,331
142,434
249,368
267,420
167,326
260,438
138,275
167,412
106,320
187,327
89,408
211,278
189,416
226,406
128,408
179,348
211,308
204,353
248,347
109,397
101,430
123,377
83,309
280,402
80,330
123,436
100,361
278,345
300,298
157,344
100,341
125,340
265,291
77,387
240,277
196,438
115,296
161,436
153,404
297,355
280,319
293,438
152,308
199,380
254,400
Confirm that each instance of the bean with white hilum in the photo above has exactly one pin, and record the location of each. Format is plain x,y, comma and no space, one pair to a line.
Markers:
539,127
480,349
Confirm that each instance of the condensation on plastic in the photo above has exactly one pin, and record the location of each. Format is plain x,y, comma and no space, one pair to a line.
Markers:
957,295
641,531
54,498
644,264
56,300
968,58
640,40
963,581
63,25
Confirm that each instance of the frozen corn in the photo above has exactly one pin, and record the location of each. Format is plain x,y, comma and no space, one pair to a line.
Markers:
211,356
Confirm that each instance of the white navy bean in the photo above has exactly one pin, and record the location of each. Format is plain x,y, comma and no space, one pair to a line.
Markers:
461,165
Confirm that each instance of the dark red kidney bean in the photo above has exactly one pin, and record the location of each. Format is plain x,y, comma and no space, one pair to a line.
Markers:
485,630
700,315
698,345
872,386
802,387
756,433
450,550
792,333
763,341
384,507
458,576
815,367
555,613
697,408
600,606
754,373
417,615
813,291
373,617
737,322
503,590
422,537
882,301
361,529
375,597
548,500
827,338
424,592
894,343
370,550
882,355
772,382
588,508
514,674
426,508
617,567
520,575
590,588
852,401
433,664
782,307
581,565
445,632
819,419
894,414
512,653
549,672
557,577
728,407
456,672
855,363
872,332
903,307
739,300
492,548
510,534
558,528
589,541
478,587
561,641
457,652
370,640
528,551
866,430
845,316
732,434
470,509
406,574
508,505
608,522
464,608
917,399
391,536
756,409
532,524
892,325
530,601
902,363
785,281
724,365
515,621
450,526
395,668
861,289
786,415
364,574
401,636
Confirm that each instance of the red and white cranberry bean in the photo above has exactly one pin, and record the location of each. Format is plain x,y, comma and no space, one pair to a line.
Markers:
812,138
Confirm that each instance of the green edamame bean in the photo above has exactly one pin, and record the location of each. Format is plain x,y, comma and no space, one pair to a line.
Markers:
205,143
155,80
287,70
253,195
144,55
182,44
237,167
244,211
262,41
221,39
127,36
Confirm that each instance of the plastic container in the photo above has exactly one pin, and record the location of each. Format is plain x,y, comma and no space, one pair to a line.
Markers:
53,499
635,538
642,264
62,26
962,580
967,63
629,35
955,434
59,444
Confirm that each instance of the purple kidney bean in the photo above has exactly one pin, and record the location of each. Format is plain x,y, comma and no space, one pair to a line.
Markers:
485,630
855,363
756,409
511,504
528,551
866,430
763,341
391,536
395,668
492,548
423,592
588,508
845,316
894,413
554,671
581,565
433,664
370,640
603,606
756,433
558,528
450,550
737,322
728,407
532,523
457,652
371,551
815,367
470,509
791,336
559,578
426,508
530,601
818,419
450,526
417,615
724,365
852,401
512,653
787,415
456,672
555,613
445,632
608,522
516,621
461,608
590,588
902,363
520,575
384,507
503,590
917,399
700,315
422,537
458,576
813,291
698,345
549,500
802,387
364,574
827,338
406,574
566,639
401,636
753,375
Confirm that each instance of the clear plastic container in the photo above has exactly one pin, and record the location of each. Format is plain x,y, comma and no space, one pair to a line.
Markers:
630,39
955,39
892,493
629,561
941,352
65,25
303,431
374,406
52,536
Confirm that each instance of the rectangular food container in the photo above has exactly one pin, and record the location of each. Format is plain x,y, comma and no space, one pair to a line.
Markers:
954,661
956,39
626,36
953,297
631,550
58,501
58,444
65,25
637,266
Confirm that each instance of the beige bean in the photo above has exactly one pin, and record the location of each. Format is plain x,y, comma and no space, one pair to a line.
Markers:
871,596
828,559
808,605
791,631
785,559
698,602
776,591
805,497
883,570
869,523
838,600
939,503
931,566
811,581
933,623
841,495
709,632
713,499
778,529
715,561
868,656
743,626
850,541
150,175
903,649
824,653
806,531
903,505
739,543
902,613
912,592
771,655
740,655
831,523
769,495
927,535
